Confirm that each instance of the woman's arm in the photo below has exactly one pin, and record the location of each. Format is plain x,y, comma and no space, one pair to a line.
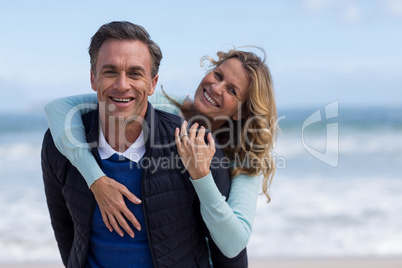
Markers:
68,132
229,223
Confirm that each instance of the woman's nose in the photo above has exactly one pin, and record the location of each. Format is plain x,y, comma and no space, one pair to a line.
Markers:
218,88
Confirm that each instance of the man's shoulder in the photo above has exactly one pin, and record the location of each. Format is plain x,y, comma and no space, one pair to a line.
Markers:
168,118
50,153
161,127
48,143
53,162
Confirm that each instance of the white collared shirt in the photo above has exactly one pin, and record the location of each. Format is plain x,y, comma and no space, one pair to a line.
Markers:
135,152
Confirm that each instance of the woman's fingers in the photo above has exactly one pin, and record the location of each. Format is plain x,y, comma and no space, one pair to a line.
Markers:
106,221
130,216
130,196
194,152
211,141
123,223
178,139
115,225
200,136
192,135
109,195
193,132
183,132
122,208
116,220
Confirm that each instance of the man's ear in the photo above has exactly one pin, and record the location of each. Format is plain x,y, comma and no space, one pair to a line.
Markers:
153,86
93,83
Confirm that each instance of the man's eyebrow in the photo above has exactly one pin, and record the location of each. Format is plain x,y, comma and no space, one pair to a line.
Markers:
109,66
131,68
136,68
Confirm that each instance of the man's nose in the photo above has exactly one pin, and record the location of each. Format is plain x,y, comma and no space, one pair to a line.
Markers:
122,83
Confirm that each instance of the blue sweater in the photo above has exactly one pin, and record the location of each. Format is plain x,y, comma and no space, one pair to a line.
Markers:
108,249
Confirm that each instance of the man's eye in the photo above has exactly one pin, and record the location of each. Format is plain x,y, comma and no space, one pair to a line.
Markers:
110,72
133,73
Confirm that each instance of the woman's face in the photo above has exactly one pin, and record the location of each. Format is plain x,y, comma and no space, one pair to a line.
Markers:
222,92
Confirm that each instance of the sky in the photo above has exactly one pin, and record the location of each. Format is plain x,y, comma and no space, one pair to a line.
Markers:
318,51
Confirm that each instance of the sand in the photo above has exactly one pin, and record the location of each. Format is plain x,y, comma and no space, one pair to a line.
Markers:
277,263
328,263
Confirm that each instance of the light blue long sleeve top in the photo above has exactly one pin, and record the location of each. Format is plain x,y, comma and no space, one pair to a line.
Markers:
230,223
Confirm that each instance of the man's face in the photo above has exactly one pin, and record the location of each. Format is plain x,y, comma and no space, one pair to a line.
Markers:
123,79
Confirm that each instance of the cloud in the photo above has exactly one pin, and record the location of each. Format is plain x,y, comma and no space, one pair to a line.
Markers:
352,13
316,6
394,7
347,10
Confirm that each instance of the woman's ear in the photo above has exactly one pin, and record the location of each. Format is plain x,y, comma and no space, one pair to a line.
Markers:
238,115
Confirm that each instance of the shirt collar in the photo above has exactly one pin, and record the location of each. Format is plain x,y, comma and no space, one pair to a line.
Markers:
135,152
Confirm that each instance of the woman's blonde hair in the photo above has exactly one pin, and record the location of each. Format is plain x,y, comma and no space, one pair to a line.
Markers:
258,131
250,146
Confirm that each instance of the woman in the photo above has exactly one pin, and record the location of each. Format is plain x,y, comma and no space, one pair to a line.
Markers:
235,100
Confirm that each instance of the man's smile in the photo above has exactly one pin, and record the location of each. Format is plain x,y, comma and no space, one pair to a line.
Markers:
121,100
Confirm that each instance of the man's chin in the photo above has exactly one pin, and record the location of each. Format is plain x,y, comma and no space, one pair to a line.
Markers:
125,119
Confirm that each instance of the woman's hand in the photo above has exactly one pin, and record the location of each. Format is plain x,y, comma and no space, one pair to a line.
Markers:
195,154
109,196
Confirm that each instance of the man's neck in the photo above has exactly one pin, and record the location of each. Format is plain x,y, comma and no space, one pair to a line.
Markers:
120,135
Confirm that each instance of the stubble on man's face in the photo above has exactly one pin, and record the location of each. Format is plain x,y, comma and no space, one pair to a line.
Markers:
123,79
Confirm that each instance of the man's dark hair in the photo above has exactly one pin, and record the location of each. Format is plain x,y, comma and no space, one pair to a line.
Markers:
124,30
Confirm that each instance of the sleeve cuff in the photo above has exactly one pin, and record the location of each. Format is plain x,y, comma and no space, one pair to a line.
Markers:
207,191
89,168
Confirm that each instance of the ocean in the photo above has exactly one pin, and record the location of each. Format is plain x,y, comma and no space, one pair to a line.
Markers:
337,190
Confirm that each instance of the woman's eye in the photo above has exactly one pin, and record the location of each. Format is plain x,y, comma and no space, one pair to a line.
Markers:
218,76
231,90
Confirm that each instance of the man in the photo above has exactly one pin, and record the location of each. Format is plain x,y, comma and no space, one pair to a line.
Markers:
124,72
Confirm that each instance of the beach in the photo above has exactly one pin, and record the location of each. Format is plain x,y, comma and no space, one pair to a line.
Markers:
347,215
328,263
369,262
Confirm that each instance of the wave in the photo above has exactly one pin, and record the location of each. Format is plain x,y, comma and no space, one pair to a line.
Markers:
293,145
315,217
